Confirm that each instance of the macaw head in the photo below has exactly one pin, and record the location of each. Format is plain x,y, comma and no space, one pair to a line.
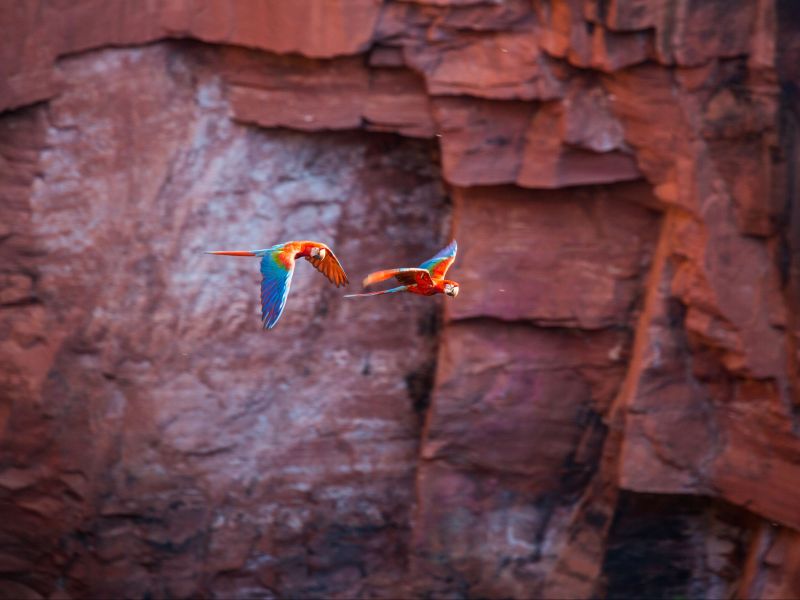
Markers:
450,288
319,253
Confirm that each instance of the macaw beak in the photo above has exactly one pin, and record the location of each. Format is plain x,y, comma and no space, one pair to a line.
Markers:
319,253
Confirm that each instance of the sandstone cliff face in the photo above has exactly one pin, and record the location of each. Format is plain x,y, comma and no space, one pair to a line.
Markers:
610,406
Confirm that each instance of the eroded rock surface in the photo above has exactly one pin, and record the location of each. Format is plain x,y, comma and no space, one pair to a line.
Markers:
614,391
156,445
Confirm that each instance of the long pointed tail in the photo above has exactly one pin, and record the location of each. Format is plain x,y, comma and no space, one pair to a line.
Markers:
231,252
401,288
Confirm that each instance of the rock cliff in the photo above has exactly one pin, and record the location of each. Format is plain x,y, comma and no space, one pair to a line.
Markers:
611,407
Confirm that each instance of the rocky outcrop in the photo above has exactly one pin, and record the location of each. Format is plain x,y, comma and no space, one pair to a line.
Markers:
613,395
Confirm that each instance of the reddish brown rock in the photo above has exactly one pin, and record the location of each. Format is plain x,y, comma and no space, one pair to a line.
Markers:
512,408
588,120
697,431
507,453
576,32
563,31
386,56
578,143
702,31
548,146
510,15
482,141
23,340
525,254
504,66
26,57
414,21
639,97
565,167
629,15
38,32
397,102
296,92
131,349
318,28
689,32
666,413
772,563
704,540
620,421
612,51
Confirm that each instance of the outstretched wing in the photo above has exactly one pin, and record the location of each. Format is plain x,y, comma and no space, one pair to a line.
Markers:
438,265
401,288
276,270
329,266
404,276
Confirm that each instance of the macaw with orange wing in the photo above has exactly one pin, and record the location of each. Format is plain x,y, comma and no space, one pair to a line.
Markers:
277,268
426,280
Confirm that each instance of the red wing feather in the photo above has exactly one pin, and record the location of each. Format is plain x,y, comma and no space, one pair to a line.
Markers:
404,276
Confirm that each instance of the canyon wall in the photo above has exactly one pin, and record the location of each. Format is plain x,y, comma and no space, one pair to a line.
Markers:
609,408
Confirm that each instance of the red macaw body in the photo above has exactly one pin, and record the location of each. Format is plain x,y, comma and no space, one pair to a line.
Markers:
277,268
425,280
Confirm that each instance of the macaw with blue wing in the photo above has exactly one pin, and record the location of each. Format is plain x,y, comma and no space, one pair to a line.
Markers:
426,280
277,268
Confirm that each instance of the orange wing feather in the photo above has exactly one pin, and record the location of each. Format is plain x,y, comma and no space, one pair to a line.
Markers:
329,266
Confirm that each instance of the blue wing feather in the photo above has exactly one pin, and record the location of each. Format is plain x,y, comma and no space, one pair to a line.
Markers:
275,283
448,253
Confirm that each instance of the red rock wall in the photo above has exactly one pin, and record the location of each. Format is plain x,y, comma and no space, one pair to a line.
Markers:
610,406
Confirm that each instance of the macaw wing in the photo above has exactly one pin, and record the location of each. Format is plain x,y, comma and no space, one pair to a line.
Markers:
275,282
438,265
329,266
404,276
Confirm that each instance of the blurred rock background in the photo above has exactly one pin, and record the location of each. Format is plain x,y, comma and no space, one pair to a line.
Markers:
610,408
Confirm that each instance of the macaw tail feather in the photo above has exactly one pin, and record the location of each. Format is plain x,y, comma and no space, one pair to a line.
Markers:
231,252
401,288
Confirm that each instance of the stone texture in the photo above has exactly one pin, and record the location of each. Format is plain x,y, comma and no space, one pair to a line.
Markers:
397,102
295,92
290,91
700,538
35,33
192,465
503,66
512,439
482,141
609,408
576,143
529,252
536,146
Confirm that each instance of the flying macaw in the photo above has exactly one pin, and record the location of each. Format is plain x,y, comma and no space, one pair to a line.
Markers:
426,280
277,267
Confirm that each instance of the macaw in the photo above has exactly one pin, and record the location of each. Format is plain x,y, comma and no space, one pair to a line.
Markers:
277,268
426,280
